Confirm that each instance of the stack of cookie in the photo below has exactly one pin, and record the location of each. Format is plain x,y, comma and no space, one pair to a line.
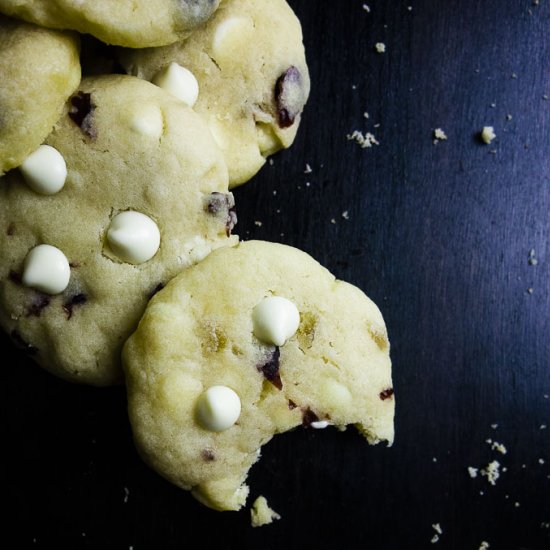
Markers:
115,207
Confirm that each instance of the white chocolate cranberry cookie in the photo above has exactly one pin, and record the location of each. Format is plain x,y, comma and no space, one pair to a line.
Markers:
252,76
128,190
253,341
130,23
39,70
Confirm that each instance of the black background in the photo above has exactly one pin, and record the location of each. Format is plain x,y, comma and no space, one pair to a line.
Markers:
438,235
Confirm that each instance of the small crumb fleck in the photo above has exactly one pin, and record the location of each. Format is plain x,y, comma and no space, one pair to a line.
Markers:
332,220
509,118
491,471
366,8
530,290
472,471
516,504
366,115
541,460
434,539
274,192
434,459
345,215
494,426
126,495
439,135
437,528
308,183
545,97
514,75
380,47
523,466
258,223
308,169
271,162
484,545
493,105
481,493
543,426
409,8
365,141
488,134
545,525
354,86
545,396
532,258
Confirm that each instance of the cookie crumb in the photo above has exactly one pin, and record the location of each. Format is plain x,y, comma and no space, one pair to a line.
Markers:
491,471
345,215
508,118
308,169
472,472
439,135
516,504
380,47
258,223
488,134
437,528
484,545
541,460
365,141
366,8
496,446
494,426
126,495
532,258
542,427
261,513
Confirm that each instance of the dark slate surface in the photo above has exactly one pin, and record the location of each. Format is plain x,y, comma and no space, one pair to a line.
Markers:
438,235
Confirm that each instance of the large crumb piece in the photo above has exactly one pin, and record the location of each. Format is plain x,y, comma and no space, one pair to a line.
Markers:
484,545
380,47
488,134
261,513
439,135
365,141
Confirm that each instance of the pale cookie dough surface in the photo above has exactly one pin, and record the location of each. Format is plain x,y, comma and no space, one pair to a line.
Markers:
130,23
253,78
128,146
198,333
39,70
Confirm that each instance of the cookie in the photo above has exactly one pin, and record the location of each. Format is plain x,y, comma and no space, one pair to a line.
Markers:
252,76
39,70
130,23
253,341
144,196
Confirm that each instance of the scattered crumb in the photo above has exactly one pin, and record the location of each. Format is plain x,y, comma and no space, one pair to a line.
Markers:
258,223
496,446
308,183
439,135
271,162
380,47
481,493
494,426
541,460
409,8
308,169
274,192
545,97
508,117
434,459
530,290
542,427
514,75
345,215
524,466
278,211
126,495
488,134
366,115
545,525
483,546
377,125
472,472
437,528
532,258
491,471
332,220
354,86
261,513
545,396
366,8
493,105
434,539
365,141
517,504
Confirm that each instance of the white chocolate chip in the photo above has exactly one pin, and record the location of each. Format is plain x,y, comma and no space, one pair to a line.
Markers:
230,37
319,424
275,320
45,170
148,122
179,81
133,237
46,269
218,408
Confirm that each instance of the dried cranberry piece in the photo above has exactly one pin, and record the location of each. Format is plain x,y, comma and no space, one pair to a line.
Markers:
386,394
208,455
81,112
289,96
76,300
270,369
41,302
222,205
